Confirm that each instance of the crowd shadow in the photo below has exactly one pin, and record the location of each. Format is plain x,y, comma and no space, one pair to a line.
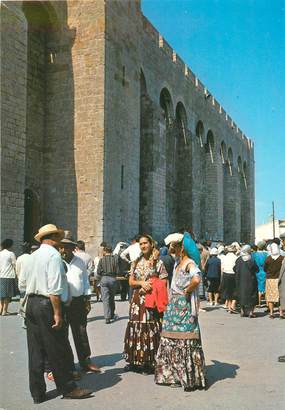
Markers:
94,318
101,381
220,371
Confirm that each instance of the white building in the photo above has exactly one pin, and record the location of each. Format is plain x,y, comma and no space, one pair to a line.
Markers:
265,231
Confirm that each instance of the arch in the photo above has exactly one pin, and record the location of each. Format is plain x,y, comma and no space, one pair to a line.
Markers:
200,132
223,152
143,87
181,118
230,160
244,174
239,165
31,214
166,104
210,144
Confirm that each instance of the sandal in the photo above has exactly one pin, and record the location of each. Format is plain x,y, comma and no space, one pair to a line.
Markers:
271,316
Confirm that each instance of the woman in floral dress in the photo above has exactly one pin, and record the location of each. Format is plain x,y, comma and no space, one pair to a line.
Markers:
144,326
180,358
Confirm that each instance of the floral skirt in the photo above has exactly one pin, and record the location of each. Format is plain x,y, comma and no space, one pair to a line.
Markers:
143,332
180,362
271,290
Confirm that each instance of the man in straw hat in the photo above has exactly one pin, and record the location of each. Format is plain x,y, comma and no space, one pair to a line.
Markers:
76,312
47,288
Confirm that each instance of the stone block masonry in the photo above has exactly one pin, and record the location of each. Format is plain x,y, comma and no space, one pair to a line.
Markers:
107,132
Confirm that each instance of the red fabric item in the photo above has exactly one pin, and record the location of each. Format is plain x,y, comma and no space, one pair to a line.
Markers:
158,297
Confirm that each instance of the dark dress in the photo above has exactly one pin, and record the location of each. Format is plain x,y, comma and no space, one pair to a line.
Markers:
213,273
246,282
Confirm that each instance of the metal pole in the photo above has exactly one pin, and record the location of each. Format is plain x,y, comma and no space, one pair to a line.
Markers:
273,219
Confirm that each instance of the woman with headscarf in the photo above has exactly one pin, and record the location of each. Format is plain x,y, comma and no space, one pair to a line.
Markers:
228,282
272,267
246,282
143,330
281,289
213,274
180,358
259,257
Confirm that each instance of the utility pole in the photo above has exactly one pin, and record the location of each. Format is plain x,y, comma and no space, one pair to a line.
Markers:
273,219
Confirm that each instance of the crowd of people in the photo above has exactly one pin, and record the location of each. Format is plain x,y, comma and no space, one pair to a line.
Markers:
164,284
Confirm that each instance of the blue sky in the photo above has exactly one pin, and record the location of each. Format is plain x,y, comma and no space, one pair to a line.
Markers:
237,49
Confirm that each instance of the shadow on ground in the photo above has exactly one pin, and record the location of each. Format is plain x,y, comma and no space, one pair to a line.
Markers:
220,371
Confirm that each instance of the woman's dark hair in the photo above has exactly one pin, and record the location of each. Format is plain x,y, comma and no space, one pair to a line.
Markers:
107,248
7,244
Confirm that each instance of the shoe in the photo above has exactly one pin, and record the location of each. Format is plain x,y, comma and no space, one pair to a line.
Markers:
77,393
271,316
114,318
252,316
233,312
89,367
281,317
108,321
281,359
40,399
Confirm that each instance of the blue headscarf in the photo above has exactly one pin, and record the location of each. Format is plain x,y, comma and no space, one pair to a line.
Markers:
191,248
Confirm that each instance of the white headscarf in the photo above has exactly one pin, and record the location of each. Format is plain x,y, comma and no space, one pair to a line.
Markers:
245,252
274,250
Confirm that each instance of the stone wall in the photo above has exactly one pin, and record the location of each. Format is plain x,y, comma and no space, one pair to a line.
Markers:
13,120
110,132
214,197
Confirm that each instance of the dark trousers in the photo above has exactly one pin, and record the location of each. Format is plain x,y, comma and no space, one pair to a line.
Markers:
77,319
46,344
108,293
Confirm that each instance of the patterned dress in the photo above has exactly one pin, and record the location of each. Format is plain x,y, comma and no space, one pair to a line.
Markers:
143,330
180,358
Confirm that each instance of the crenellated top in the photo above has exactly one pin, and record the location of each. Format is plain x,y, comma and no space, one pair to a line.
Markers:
190,76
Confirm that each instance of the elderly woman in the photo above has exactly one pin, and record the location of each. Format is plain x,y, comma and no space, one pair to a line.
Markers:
213,274
272,267
143,330
7,275
228,281
246,282
259,257
281,289
180,358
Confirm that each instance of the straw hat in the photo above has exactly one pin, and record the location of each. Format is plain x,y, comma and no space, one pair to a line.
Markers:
47,230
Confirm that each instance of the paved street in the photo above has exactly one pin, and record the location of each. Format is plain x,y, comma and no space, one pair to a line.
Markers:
241,356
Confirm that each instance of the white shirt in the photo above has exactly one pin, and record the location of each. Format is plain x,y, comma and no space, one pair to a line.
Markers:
77,278
86,258
132,253
229,262
7,264
21,262
44,273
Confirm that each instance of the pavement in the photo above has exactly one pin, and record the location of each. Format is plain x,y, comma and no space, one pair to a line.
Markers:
241,358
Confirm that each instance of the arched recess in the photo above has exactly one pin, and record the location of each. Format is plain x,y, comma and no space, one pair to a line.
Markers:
167,142
244,198
223,152
183,165
211,212
231,204
200,132
32,215
146,158
50,164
